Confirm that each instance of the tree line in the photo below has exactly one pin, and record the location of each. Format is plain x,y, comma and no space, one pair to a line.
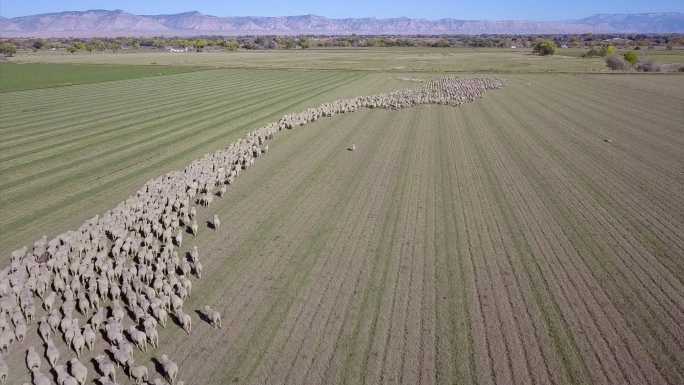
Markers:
542,44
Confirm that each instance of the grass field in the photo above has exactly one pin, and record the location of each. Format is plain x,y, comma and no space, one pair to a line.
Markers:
377,59
73,151
27,76
532,237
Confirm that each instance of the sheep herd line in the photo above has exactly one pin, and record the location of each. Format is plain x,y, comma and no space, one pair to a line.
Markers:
125,273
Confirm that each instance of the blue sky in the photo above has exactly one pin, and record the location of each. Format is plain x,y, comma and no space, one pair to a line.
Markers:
431,9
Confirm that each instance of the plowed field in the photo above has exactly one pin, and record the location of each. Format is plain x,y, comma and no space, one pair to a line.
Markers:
533,237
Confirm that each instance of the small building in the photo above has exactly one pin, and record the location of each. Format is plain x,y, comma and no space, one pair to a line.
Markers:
177,50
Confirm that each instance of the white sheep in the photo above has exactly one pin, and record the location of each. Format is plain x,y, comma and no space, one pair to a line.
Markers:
170,368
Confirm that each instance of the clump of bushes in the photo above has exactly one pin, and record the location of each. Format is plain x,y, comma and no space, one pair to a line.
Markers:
544,47
630,60
8,49
616,63
600,51
648,66
631,57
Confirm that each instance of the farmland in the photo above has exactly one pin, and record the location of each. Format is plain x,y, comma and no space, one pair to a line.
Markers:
378,59
41,75
531,237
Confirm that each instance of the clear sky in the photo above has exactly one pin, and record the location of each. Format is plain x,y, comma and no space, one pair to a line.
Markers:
431,9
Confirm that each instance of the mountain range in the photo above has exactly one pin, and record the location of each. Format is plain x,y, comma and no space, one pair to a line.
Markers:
105,23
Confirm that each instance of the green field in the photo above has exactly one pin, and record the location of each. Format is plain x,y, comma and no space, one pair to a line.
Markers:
90,145
533,236
377,59
15,77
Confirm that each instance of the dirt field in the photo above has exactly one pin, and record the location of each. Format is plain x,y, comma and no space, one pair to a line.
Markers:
533,237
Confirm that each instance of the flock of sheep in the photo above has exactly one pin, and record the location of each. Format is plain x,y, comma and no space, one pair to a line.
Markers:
124,273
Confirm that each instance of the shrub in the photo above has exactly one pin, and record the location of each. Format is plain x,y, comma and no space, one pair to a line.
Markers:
616,63
631,57
38,44
545,47
648,66
600,51
8,49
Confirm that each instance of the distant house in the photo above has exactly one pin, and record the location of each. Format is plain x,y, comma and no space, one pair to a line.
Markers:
514,47
564,46
177,50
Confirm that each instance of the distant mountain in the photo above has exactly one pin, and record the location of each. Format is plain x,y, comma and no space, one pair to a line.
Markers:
104,23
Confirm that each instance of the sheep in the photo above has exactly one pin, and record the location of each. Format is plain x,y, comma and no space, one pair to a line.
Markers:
104,380
185,321
213,316
121,357
39,378
152,335
105,367
51,352
197,268
216,222
178,239
20,331
194,228
4,371
138,373
89,336
44,329
78,343
33,360
170,368
138,337
78,370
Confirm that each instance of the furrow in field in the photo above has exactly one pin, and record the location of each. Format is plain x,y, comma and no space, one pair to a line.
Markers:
135,177
318,342
576,317
364,364
551,311
348,364
484,366
395,345
256,287
597,317
256,347
524,352
608,199
544,364
116,141
496,333
573,252
634,149
413,366
454,345
175,104
629,244
287,346
427,351
381,337
58,104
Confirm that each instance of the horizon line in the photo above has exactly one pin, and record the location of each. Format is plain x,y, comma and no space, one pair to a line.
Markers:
338,18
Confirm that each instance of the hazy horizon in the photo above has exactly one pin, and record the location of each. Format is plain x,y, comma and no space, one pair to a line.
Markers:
428,9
